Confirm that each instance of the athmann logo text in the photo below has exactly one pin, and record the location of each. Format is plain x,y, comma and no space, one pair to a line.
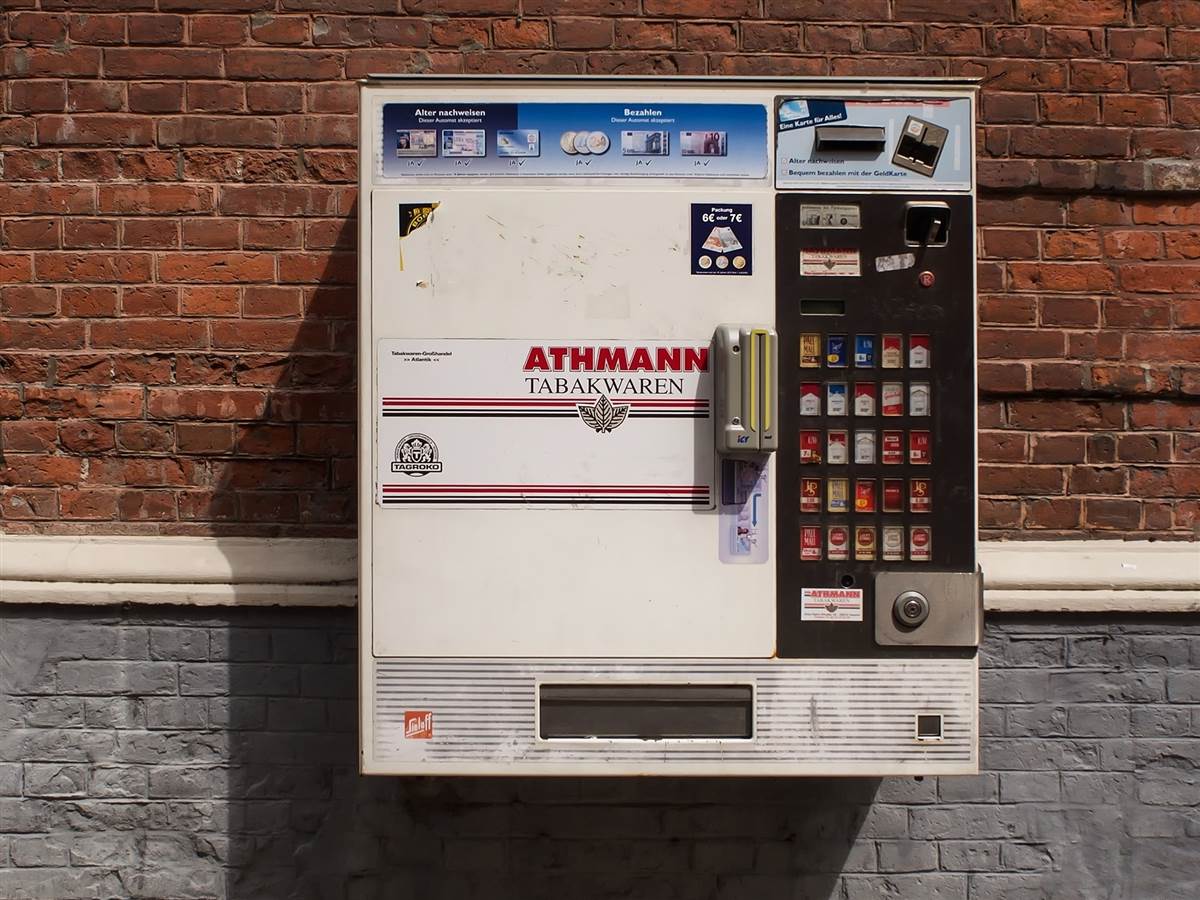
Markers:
617,359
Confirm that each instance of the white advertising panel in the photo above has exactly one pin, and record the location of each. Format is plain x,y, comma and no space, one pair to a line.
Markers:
499,423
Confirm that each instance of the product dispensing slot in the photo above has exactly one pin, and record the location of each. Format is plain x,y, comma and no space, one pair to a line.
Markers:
849,138
651,712
747,364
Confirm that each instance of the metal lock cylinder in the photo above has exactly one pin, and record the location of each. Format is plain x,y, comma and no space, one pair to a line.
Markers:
911,609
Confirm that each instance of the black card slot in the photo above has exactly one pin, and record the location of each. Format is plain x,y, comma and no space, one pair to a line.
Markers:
823,306
853,138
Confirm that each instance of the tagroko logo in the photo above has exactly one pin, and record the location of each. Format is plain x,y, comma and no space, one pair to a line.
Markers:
418,724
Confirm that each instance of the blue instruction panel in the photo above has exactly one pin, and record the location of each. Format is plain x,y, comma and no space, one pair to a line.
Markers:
709,140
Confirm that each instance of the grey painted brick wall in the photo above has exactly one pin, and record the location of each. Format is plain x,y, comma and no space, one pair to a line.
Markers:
165,753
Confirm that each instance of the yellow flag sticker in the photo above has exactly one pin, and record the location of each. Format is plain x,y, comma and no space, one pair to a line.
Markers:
412,217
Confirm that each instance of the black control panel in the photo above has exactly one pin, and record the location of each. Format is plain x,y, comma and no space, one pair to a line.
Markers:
875,315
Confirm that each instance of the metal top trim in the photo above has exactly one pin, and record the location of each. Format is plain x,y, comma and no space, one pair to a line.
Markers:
961,82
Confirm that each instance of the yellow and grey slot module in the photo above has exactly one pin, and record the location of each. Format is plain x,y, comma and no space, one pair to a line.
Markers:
747,371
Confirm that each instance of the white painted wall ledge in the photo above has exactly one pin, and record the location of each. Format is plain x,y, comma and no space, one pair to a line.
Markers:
1020,576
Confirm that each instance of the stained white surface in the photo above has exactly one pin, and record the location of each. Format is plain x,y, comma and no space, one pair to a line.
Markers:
598,266
811,716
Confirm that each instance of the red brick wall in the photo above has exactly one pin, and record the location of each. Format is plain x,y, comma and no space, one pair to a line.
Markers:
177,237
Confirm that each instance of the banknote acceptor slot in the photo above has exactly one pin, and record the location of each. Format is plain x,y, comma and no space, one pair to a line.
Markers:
747,386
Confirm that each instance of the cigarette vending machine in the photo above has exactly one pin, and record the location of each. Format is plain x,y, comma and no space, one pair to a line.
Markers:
667,426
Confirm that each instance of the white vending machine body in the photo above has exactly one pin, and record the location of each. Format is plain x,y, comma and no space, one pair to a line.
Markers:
562,570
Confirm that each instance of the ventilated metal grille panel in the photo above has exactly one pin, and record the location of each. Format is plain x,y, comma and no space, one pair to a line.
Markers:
811,716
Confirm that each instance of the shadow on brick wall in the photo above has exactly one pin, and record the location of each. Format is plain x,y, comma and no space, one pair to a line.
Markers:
252,764
272,412
282,748
304,823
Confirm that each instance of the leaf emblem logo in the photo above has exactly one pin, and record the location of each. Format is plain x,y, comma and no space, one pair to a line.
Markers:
603,415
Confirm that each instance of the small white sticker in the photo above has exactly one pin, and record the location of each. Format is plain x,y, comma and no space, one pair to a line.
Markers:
820,215
835,263
831,605
895,262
